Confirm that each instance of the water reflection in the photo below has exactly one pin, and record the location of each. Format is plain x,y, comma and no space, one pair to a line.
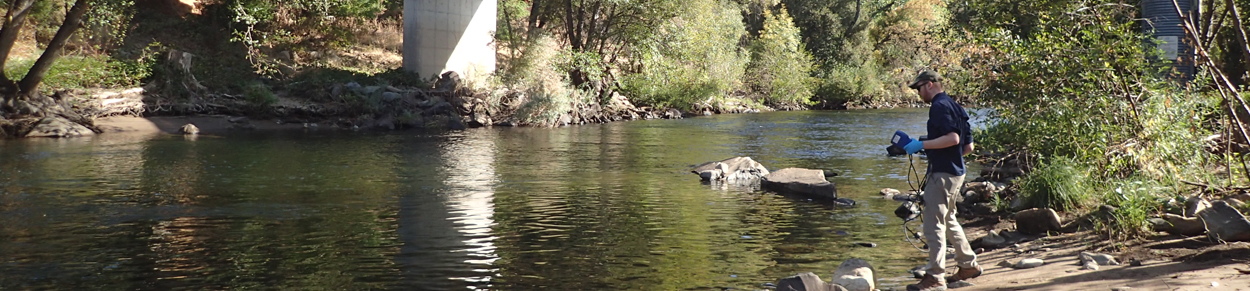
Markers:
445,221
594,207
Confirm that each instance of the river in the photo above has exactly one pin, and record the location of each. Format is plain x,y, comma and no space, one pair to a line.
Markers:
592,207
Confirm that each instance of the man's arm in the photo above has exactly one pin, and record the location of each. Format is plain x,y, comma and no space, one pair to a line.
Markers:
948,140
967,149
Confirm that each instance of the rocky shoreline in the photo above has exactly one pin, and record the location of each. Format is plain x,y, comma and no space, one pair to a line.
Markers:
449,105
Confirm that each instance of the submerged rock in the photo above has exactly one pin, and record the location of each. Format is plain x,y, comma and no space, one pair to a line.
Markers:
801,181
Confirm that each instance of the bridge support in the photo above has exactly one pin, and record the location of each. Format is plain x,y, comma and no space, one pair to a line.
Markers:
449,35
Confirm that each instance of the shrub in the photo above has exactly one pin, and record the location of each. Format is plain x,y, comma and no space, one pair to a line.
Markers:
780,67
691,59
1060,184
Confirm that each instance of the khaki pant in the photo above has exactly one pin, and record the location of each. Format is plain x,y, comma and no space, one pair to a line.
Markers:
940,223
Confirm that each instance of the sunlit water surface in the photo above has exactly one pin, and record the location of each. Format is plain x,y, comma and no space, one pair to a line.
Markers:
593,207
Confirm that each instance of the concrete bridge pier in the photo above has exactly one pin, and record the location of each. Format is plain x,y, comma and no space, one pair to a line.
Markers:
449,35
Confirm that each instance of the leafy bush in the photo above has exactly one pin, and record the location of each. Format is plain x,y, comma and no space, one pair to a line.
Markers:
780,67
691,59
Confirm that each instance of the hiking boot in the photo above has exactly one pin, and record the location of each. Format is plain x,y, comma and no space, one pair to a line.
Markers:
965,274
929,283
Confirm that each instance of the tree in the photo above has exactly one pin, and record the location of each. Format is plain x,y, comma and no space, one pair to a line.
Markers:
27,87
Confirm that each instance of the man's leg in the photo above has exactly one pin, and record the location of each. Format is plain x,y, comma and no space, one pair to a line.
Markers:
934,215
964,255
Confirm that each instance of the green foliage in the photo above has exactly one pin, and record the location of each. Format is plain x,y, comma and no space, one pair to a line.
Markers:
780,67
1071,84
82,72
258,94
691,59
1135,202
1060,184
864,51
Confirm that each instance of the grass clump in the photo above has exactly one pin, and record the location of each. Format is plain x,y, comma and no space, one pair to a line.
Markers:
1060,184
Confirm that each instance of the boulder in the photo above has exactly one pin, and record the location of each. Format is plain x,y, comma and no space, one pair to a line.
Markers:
189,129
732,169
855,275
57,126
449,81
480,119
391,96
1180,225
1038,221
1225,223
801,181
980,191
1195,204
806,282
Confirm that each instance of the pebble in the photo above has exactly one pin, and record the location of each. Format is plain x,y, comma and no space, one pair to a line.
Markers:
1134,262
959,284
1125,288
1028,263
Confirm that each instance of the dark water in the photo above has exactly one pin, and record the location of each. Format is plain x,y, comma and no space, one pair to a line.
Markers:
595,207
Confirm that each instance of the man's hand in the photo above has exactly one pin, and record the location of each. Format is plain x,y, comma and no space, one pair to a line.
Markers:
913,146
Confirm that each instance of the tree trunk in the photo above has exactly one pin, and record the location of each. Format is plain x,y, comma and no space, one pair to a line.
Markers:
73,19
14,19
12,27
1240,30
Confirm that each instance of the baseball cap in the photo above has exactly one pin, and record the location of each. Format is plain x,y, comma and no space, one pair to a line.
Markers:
926,75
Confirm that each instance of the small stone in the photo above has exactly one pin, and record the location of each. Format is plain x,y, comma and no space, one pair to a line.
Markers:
890,192
1028,263
1099,259
866,244
1124,288
1134,262
959,284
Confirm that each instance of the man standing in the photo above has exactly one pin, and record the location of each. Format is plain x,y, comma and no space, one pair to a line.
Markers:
949,124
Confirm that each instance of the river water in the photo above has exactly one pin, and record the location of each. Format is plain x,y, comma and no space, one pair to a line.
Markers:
592,207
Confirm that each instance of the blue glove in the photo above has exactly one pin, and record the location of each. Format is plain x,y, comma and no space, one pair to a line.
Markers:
913,146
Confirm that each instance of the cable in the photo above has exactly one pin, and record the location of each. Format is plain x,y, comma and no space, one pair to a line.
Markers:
918,200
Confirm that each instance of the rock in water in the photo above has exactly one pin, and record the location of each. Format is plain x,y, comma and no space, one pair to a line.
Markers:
189,129
855,275
732,169
806,282
1225,223
802,181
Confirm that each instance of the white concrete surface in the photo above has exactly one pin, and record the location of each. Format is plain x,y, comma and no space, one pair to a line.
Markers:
449,35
